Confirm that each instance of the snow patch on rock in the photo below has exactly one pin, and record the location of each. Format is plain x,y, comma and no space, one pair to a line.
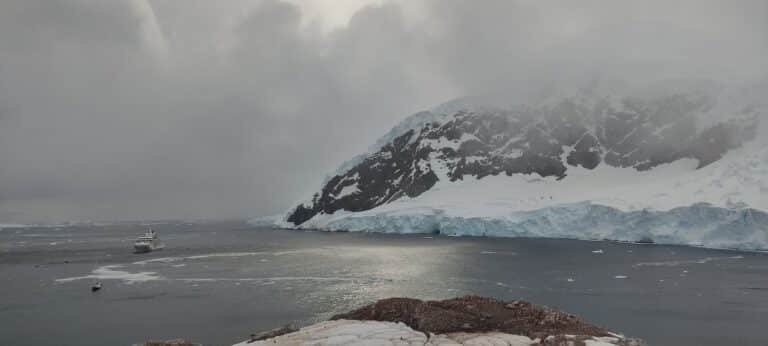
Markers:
350,332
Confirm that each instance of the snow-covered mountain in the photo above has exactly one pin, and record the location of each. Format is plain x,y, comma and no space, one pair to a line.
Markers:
677,167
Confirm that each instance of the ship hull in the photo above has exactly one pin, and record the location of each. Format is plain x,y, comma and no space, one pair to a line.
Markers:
142,248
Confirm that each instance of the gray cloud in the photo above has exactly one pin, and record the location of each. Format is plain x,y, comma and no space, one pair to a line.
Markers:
198,109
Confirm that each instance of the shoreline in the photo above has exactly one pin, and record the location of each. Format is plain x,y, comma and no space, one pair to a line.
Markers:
467,320
472,236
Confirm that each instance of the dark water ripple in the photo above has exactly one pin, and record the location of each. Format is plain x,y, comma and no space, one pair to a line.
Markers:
217,283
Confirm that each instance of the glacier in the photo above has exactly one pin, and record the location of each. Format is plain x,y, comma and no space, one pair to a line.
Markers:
723,205
467,168
699,225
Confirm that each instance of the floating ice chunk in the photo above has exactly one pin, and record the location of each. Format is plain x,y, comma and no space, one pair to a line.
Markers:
681,262
598,251
620,277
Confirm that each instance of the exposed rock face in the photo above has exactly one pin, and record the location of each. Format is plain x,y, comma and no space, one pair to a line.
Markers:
545,139
472,314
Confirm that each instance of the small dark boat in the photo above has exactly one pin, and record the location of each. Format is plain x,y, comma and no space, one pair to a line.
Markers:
645,240
96,287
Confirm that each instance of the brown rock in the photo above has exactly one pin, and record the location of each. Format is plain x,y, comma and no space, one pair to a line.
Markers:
475,314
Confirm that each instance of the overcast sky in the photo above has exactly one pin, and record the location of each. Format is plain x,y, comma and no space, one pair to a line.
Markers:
218,109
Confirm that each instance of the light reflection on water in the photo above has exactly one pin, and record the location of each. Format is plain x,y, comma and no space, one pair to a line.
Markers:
244,280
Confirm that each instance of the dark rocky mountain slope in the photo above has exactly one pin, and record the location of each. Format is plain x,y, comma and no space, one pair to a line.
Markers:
546,139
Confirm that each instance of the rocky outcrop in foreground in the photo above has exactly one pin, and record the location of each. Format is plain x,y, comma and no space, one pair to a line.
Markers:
467,320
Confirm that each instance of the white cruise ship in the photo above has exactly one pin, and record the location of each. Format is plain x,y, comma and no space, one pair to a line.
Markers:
148,242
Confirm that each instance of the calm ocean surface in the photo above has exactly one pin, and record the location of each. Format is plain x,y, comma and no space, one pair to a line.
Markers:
217,283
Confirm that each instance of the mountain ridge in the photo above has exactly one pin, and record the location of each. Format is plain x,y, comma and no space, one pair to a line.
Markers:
459,139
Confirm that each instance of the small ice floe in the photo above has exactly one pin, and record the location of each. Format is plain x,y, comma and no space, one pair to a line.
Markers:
598,251
620,277
487,252
685,262
428,237
179,265
571,280
53,243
